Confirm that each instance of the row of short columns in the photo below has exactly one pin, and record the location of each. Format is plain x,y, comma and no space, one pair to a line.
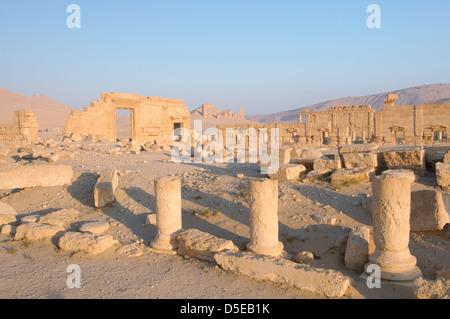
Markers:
391,226
263,200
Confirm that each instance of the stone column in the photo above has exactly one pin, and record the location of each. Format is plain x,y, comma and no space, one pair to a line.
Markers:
391,226
263,202
168,212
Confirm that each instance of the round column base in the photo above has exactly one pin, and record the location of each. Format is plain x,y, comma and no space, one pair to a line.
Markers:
274,251
392,275
162,243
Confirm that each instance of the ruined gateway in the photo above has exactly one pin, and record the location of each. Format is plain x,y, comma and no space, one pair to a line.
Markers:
152,118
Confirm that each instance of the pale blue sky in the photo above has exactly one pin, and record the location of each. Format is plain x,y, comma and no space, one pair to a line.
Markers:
265,56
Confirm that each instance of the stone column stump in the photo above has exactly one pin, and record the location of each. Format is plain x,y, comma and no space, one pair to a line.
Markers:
168,213
263,202
391,226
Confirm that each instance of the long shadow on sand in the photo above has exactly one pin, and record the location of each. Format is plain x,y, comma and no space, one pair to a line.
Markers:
82,189
338,201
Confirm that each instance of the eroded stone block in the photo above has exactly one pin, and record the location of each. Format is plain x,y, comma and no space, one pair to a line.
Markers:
36,176
104,191
89,243
428,211
288,172
413,160
197,244
276,269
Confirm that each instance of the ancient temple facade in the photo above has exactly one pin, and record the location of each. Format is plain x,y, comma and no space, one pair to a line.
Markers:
405,124
152,118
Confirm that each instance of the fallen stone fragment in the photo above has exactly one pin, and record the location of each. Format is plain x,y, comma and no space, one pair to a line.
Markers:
95,227
8,214
428,211
432,289
320,174
327,163
133,146
360,246
304,257
53,158
130,250
443,175
352,176
36,176
446,157
324,220
104,191
200,245
279,270
307,154
30,219
360,160
8,230
358,148
89,243
37,232
288,172
60,217
74,137
4,151
413,160
309,164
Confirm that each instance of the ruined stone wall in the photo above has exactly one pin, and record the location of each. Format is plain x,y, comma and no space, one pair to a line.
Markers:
287,132
413,124
345,124
410,124
24,128
152,118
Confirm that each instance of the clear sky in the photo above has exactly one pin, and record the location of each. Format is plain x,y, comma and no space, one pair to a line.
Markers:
266,56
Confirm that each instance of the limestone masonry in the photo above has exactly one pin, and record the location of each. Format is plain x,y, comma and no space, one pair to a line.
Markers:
407,124
24,127
152,118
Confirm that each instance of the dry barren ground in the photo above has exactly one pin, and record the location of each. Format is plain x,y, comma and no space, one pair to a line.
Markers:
214,201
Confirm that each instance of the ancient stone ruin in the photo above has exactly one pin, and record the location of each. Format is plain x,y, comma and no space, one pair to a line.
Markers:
152,118
209,109
407,124
24,128
243,219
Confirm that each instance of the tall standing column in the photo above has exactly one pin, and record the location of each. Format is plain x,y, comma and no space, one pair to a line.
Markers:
391,226
263,202
168,213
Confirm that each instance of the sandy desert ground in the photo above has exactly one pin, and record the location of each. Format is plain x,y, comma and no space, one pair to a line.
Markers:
214,201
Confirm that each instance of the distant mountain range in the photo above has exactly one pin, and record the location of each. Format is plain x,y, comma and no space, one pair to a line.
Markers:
51,114
436,93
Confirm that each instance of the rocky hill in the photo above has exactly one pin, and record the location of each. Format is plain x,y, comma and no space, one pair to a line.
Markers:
436,93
